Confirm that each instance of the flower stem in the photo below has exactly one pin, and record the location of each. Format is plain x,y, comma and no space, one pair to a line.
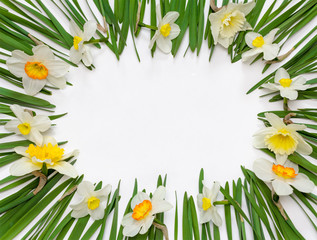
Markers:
223,202
96,41
141,24
285,105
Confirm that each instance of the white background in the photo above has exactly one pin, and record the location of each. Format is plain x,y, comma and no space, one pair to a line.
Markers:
165,115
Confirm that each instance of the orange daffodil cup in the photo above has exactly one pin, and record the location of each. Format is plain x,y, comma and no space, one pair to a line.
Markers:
144,211
283,140
33,158
39,69
282,177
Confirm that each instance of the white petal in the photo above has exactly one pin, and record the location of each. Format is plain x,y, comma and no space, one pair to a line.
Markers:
87,57
154,38
281,158
65,168
245,8
127,219
12,126
85,189
215,26
215,217
21,151
249,38
303,184
161,206
290,164
132,229
158,13
303,147
97,213
270,86
57,68
214,191
59,82
42,53
164,44
246,56
74,29
225,42
79,205
175,30
170,17
18,112
90,28
32,86
270,51
205,216
269,38
41,122
200,201
263,169
159,194
280,73
75,55
300,81
80,210
22,167
71,154
282,188
148,221
289,93
35,136
137,199
49,139
103,193
17,62
274,120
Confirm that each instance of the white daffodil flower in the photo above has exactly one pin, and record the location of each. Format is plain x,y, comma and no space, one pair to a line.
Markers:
79,50
228,21
281,139
92,201
288,87
207,211
38,69
30,127
282,177
167,30
49,153
144,210
260,44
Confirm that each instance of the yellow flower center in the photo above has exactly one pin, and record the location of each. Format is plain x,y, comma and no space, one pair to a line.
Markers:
166,29
281,142
227,19
285,82
54,153
93,203
24,128
36,70
141,210
284,172
206,204
258,42
77,40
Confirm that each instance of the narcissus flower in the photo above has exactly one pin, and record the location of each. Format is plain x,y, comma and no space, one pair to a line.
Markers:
79,50
282,177
49,153
281,139
260,44
38,69
144,210
167,30
92,202
30,127
288,87
207,211
228,21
